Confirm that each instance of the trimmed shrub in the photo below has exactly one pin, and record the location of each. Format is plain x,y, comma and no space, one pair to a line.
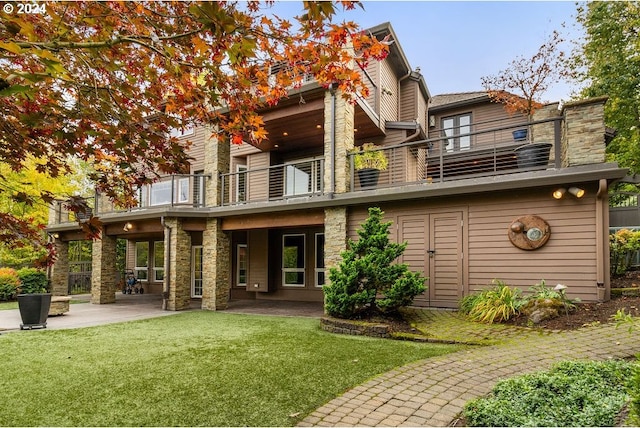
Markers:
32,281
9,283
571,393
367,279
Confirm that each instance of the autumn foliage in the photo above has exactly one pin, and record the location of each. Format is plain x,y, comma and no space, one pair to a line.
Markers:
106,82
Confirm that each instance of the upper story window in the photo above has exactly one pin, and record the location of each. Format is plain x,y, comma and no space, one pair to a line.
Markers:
455,126
303,178
182,131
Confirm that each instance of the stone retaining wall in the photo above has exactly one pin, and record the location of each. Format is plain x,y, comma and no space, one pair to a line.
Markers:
354,328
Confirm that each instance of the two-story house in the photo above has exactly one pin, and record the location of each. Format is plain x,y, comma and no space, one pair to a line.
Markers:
267,222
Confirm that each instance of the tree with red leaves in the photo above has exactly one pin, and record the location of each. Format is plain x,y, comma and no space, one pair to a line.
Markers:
106,81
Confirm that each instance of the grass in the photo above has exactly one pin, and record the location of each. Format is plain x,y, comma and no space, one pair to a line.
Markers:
191,369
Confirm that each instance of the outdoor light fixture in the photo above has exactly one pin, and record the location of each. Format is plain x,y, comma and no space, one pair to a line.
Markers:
576,191
127,227
559,193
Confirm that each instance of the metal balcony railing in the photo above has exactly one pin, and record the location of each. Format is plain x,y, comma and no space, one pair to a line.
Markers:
458,156
277,182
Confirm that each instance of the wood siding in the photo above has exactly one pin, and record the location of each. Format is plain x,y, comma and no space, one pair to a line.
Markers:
409,93
389,103
483,117
198,139
473,248
258,182
258,252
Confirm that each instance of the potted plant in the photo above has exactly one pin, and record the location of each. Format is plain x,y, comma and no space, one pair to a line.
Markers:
519,86
34,299
368,161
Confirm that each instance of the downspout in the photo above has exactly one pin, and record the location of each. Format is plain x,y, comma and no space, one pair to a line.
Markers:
602,253
412,136
332,143
167,265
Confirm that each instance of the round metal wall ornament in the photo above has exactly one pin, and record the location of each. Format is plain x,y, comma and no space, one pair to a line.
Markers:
529,232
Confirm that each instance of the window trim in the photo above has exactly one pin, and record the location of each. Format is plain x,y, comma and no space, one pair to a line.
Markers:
454,138
319,269
193,271
246,275
295,270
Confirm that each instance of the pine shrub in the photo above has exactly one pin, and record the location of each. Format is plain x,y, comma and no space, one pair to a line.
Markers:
368,280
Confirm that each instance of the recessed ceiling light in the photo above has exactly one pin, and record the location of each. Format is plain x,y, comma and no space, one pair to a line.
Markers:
285,133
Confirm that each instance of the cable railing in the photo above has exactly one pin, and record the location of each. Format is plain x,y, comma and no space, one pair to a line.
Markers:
277,182
457,156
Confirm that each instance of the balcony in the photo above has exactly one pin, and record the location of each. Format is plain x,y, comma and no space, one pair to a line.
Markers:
171,191
457,155
278,182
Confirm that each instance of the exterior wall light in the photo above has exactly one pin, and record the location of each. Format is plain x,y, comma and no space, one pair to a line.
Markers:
576,191
559,193
127,227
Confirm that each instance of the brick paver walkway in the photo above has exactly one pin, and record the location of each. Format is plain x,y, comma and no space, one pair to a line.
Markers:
433,392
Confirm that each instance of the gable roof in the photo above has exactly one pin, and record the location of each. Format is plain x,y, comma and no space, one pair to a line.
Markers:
459,98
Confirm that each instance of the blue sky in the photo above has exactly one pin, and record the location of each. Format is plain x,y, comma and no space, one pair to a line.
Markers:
455,43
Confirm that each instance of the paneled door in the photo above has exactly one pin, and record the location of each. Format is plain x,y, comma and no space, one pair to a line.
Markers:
435,247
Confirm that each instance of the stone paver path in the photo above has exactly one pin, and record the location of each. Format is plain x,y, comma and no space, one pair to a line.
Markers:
433,392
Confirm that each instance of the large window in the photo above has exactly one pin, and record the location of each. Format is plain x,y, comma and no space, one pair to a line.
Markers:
293,260
196,271
242,264
158,261
303,178
455,126
319,259
142,261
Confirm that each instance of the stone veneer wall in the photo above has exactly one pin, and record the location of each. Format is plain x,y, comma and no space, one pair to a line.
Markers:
584,132
60,270
544,132
216,264
179,275
103,270
344,142
216,246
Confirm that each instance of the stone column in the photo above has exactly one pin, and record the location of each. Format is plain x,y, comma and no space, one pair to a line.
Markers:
343,138
217,159
177,244
103,270
60,269
335,237
545,132
584,132
216,265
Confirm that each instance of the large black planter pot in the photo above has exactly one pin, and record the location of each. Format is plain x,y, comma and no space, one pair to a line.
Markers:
368,177
534,154
34,310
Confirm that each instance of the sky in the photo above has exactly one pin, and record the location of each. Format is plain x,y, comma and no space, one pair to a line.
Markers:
455,43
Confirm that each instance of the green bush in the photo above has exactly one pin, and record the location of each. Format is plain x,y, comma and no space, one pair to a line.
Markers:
571,393
367,279
32,280
622,246
634,392
497,304
9,283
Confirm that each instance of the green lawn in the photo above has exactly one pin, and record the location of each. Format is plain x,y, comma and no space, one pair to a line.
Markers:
191,369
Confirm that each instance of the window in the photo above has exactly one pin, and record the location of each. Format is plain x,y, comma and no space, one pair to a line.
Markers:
183,190
196,271
241,183
241,274
142,261
158,261
303,178
161,193
319,259
293,260
453,127
182,132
